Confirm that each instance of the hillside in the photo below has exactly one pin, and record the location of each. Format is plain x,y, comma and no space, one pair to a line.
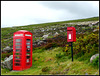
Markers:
54,56
39,30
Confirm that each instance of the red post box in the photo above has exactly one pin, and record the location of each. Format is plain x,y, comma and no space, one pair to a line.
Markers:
22,50
71,34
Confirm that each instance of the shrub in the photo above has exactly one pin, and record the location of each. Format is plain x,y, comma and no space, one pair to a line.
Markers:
86,56
45,69
38,50
59,55
49,45
3,55
79,55
66,48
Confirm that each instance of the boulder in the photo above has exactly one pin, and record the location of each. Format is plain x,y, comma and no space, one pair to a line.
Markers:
8,63
93,57
7,49
5,58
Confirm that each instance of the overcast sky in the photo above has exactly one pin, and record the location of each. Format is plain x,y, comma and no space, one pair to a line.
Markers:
19,13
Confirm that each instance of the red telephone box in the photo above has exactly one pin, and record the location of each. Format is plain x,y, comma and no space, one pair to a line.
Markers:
22,50
71,34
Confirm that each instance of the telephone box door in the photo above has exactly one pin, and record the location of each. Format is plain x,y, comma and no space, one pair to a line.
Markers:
17,54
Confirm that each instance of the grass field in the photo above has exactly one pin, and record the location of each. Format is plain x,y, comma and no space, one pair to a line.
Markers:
63,66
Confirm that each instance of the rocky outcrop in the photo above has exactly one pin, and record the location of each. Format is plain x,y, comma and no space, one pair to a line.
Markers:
8,62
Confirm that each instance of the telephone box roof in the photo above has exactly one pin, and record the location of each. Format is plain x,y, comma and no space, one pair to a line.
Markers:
22,31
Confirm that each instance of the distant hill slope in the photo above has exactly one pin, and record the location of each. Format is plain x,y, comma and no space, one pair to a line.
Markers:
39,30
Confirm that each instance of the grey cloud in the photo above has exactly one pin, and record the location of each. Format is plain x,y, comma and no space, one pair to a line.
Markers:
78,8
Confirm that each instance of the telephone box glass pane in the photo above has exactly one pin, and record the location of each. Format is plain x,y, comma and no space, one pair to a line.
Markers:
18,43
28,43
28,40
28,46
27,60
17,46
17,64
18,40
28,57
17,60
28,54
17,53
28,50
17,57
17,50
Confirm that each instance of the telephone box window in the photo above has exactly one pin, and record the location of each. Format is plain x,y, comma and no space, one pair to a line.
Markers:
28,50
27,60
18,40
28,40
28,46
18,43
17,64
28,57
28,43
17,57
17,50
17,60
17,46
17,53
28,54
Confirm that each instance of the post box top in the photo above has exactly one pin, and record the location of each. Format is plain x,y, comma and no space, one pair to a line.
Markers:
70,28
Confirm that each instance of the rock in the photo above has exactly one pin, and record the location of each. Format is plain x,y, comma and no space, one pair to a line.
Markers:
95,30
7,49
45,36
56,34
61,31
86,73
5,58
90,25
40,42
8,63
93,57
